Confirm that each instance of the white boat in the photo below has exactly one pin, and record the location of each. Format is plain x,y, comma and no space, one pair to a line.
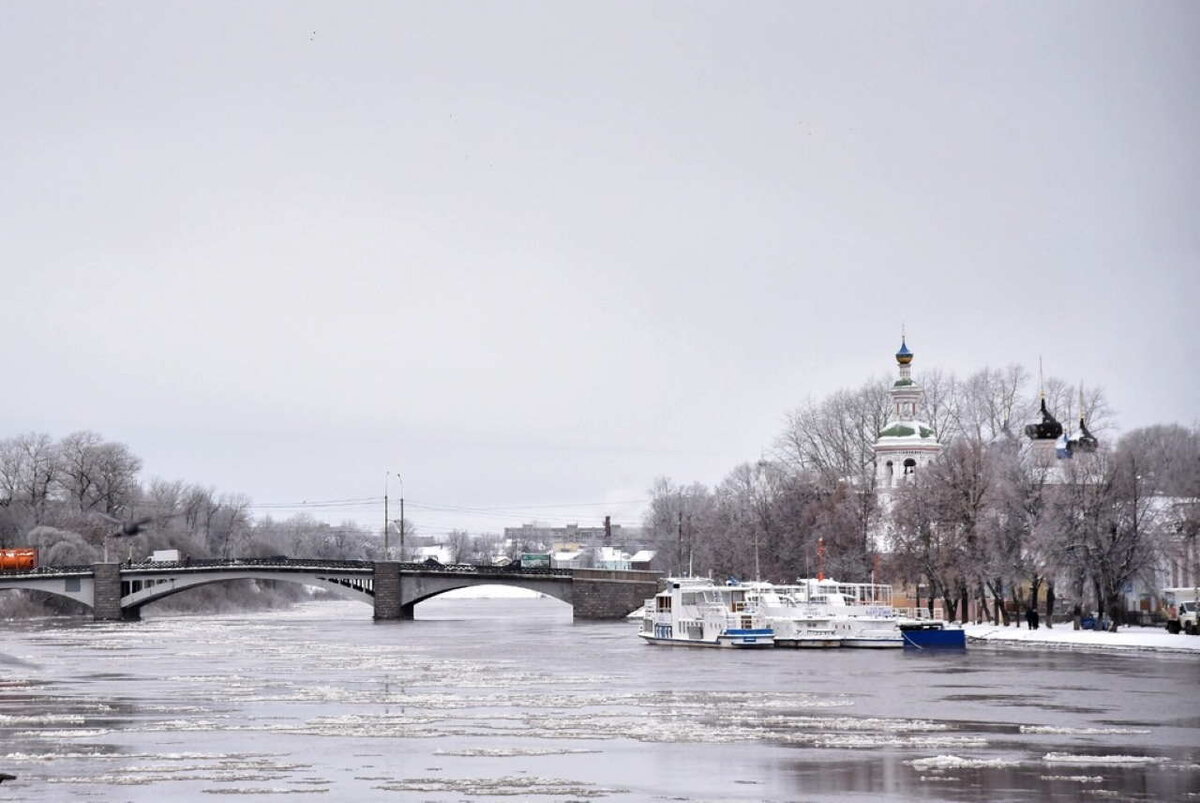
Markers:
861,613
796,623
695,612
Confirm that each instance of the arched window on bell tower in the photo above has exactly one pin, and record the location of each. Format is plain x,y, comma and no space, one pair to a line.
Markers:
910,467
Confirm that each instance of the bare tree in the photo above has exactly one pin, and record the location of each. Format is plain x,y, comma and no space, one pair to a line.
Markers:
942,395
680,522
1107,528
924,546
835,437
96,474
458,543
991,403
29,470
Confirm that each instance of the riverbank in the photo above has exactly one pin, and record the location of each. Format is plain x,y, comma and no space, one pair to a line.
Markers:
1065,637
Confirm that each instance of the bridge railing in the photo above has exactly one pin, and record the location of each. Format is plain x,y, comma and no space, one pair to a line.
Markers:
307,564
343,565
43,571
218,563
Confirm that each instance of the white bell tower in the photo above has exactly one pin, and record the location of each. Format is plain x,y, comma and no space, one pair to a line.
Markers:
907,444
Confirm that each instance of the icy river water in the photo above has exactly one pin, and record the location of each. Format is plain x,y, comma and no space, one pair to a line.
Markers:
489,698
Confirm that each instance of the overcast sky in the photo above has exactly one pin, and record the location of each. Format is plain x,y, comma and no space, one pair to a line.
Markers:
530,256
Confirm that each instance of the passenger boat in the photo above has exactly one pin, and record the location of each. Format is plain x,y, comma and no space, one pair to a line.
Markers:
696,612
796,623
861,613
933,636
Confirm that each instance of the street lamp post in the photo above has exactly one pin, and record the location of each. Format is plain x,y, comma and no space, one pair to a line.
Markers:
387,521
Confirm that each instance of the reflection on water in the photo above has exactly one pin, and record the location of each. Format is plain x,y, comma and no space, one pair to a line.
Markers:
487,698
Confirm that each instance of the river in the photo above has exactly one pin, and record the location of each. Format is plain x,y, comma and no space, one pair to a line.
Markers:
484,698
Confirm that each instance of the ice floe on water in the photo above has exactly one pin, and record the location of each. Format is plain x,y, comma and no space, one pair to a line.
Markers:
951,762
853,723
955,762
185,767
860,740
1061,731
270,790
17,720
508,786
78,733
1101,761
1074,778
511,752
55,755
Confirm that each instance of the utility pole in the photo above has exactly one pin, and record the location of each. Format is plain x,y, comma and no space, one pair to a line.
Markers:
401,517
387,522
679,544
691,539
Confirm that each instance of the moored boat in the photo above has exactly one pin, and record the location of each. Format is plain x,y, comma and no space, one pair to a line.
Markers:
861,613
696,612
933,635
796,624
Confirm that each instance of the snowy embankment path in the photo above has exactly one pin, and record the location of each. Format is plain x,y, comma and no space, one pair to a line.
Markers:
1064,637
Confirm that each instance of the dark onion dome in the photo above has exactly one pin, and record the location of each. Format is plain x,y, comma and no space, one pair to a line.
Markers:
1086,442
1048,429
904,356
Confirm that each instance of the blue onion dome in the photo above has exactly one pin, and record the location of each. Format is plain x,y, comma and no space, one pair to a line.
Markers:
904,356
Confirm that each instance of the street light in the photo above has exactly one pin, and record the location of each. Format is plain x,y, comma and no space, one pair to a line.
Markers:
387,521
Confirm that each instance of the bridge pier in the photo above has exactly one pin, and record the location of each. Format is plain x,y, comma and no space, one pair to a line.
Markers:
106,592
610,594
389,603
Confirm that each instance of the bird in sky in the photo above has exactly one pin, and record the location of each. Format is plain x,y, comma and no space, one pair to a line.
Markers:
133,527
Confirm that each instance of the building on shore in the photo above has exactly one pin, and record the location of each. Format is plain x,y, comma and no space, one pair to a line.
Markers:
606,534
907,444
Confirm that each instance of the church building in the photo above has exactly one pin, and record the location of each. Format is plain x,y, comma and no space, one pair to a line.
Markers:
907,444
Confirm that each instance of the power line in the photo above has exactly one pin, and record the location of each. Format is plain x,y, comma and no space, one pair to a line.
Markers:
350,502
542,513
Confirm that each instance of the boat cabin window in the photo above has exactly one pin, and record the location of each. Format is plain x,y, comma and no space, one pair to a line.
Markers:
664,603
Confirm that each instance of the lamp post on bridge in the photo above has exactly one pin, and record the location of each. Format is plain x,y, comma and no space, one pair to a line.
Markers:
387,521
401,517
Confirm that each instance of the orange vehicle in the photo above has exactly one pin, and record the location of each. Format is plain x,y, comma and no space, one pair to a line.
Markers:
18,559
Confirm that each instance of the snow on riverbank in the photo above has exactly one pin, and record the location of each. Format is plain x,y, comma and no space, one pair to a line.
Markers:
1148,639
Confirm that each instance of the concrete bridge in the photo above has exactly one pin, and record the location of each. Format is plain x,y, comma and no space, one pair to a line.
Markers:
118,591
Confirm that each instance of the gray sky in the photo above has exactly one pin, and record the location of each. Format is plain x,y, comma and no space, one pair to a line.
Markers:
532,255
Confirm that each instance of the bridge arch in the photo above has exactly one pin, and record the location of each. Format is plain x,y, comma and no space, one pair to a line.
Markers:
427,591
139,592
75,587
83,605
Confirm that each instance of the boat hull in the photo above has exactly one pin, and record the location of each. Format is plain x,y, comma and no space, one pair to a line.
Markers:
933,637
874,643
809,643
737,639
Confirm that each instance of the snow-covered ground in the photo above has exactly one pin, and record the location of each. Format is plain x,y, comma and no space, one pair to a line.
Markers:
1150,639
